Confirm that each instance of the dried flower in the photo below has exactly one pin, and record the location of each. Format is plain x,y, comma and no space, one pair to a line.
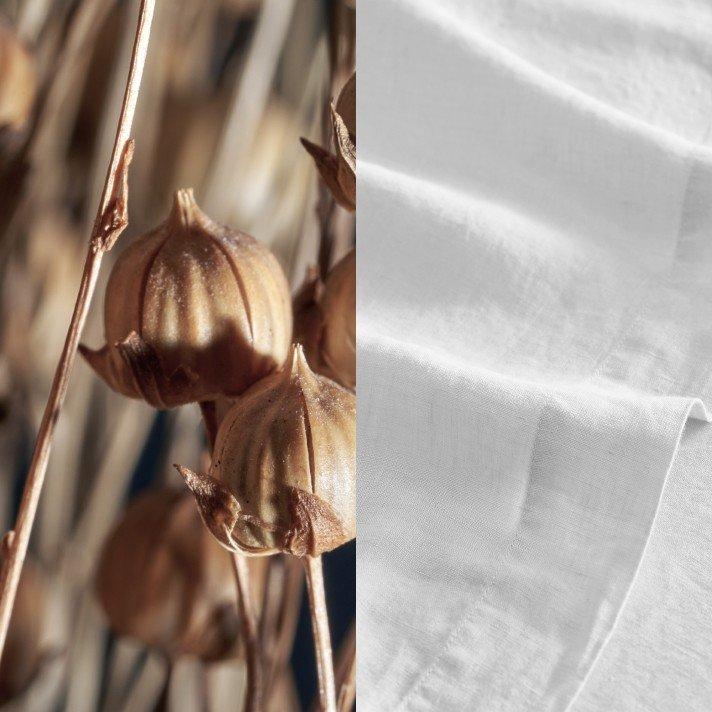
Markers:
283,471
18,80
339,171
193,310
325,321
22,658
162,580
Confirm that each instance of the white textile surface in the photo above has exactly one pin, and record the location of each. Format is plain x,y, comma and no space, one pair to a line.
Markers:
534,332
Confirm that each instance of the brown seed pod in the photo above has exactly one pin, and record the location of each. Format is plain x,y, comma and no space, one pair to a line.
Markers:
163,580
338,170
193,310
325,321
346,106
22,657
283,474
18,80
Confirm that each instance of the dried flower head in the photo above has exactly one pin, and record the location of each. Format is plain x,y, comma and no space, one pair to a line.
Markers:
18,80
22,657
325,321
283,474
193,310
163,581
339,170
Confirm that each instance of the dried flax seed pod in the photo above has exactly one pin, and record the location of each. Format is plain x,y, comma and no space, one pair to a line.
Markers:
163,580
22,657
325,321
18,80
338,170
193,310
283,474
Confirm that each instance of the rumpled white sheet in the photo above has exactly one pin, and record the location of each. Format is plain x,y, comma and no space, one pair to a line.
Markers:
535,328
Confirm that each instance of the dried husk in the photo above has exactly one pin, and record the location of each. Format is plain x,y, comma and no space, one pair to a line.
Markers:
283,471
338,170
22,657
325,321
193,310
346,106
18,80
162,580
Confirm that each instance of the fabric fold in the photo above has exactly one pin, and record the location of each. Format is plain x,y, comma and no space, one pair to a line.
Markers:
524,565
534,317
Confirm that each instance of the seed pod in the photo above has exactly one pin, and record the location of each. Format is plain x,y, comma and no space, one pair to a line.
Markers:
327,323
163,581
283,473
339,170
193,310
22,657
18,80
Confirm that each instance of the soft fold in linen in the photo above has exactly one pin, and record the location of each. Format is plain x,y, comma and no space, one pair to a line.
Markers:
534,316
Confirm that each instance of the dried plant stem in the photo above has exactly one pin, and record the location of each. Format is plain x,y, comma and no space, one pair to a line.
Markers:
320,632
111,220
280,615
346,672
248,620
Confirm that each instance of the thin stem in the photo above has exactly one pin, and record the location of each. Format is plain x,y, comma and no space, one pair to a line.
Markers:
248,620
110,221
346,672
280,615
320,632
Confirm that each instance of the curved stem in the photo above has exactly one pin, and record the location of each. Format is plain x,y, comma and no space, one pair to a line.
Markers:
110,221
320,632
248,620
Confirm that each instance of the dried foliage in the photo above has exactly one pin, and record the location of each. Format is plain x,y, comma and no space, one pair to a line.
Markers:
163,580
193,310
339,170
283,473
325,321
23,657
229,86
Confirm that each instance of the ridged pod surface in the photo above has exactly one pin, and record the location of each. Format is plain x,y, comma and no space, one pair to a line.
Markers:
163,580
283,474
338,336
193,310
325,321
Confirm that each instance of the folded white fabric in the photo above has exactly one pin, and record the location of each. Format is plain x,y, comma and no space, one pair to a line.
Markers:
535,326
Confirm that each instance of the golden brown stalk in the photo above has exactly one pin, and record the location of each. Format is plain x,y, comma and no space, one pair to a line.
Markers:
110,221
346,672
280,615
320,632
253,695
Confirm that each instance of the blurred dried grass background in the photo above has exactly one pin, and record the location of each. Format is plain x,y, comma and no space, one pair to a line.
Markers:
229,87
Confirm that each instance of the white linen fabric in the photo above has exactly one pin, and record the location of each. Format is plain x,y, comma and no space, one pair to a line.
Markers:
534,330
